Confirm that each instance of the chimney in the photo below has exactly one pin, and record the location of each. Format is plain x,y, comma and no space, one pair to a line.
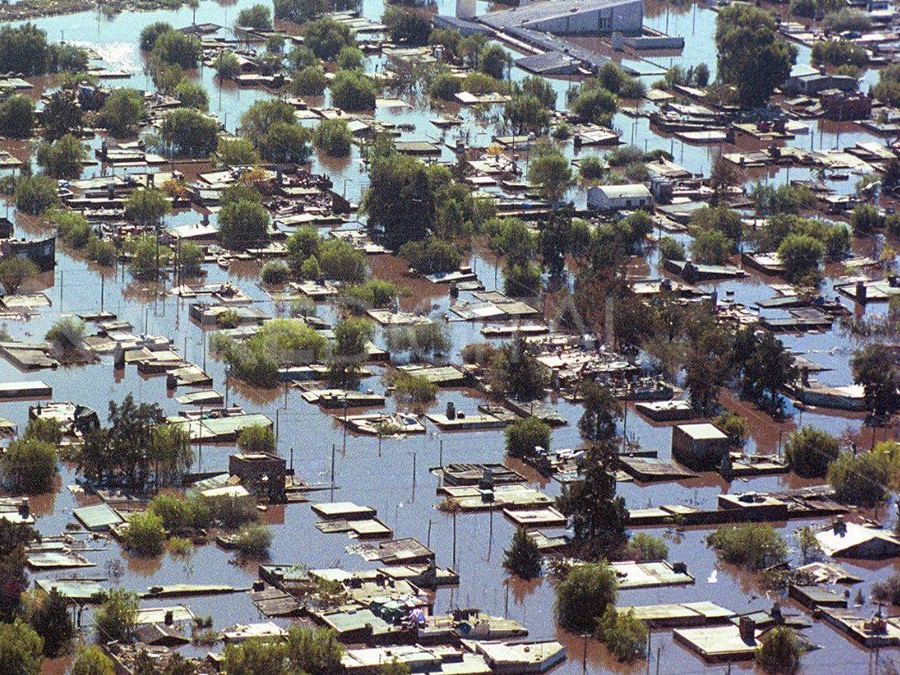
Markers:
839,527
747,629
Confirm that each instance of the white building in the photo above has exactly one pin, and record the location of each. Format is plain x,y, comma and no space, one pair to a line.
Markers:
619,197
572,17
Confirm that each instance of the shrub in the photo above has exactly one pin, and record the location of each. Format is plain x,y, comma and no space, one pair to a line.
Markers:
810,451
645,547
523,557
866,218
181,515
180,547
591,168
753,545
253,540
585,592
779,651
623,634
275,272
524,435
145,534
67,334
887,590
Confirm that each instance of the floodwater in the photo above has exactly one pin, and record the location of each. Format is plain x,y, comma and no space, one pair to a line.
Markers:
385,478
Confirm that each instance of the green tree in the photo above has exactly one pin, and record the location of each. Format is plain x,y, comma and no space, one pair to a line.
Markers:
623,633
875,367
63,158
415,392
253,540
779,651
176,48
146,207
227,65
400,201
192,95
187,132
235,152
29,465
494,61
338,260
275,272
712,247
350,339
596,514
583,595
262,116
801,256
645,547
524,435
243,224
755,546
522,280
152,31
24,49
67,335
309,81
145,534
748,42
258,438
36,194
549,172
16,116
594,104
48,614
352,90
21,648
14,271
286,143
523,558
430,255
326,37
333,137
257,16
122,111
61,115
350,58
863,478
810,451
115,618
406,26
92,660
601,410
314,650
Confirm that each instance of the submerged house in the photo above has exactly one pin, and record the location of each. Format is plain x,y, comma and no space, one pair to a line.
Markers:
851,540
619,197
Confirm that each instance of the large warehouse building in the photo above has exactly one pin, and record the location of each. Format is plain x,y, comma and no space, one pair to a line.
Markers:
571,17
